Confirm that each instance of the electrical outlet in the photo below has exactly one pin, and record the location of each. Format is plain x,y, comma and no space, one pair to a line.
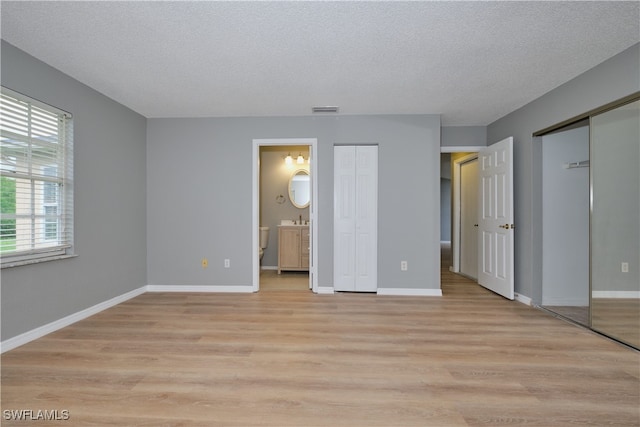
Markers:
624,267
404,266
227,263
205,263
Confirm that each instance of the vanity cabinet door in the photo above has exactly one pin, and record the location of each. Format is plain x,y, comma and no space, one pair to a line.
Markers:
293,248
289,248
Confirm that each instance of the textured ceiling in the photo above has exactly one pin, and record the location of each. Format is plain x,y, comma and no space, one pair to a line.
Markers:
472,62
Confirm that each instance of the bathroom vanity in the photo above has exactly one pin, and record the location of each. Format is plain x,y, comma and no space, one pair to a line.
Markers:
293,248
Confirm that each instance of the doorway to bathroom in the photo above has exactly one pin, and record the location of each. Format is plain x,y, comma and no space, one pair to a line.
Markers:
284,214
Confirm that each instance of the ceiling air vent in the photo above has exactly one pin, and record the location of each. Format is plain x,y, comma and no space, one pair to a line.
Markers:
327,109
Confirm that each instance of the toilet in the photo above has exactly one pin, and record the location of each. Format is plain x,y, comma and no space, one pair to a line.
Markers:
264,240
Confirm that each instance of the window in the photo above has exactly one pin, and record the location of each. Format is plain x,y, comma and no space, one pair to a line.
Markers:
36,188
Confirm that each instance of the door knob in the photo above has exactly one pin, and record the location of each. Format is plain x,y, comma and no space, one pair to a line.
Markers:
505,226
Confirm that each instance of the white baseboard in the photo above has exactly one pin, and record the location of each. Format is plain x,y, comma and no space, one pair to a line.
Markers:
523,299
445,242
410,292
269,267
206,288
41,331
616,294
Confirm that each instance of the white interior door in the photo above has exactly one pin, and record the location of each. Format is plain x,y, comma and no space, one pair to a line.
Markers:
495,219
344,220
366,218
355,218
469,218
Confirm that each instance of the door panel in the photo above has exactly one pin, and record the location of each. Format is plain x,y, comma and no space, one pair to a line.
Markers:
487,189
486,253
366,222
615,223
344,218
496,223
290,248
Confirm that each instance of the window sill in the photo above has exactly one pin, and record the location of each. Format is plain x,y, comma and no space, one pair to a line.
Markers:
10,264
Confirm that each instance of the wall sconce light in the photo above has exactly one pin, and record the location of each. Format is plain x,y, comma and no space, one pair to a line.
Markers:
288,160
300,159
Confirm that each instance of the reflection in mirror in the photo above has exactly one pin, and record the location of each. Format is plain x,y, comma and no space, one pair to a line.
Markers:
300,189
565,218
615,223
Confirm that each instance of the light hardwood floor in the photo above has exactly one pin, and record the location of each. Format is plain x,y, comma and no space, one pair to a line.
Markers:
579,314
283,358
270,280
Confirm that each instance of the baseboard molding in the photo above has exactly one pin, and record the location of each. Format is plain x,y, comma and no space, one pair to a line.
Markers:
410,292
616,294
445,242
523,299
269,267
206,288
41,331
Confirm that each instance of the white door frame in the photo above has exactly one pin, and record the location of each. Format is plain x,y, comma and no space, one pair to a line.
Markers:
313,206
455,197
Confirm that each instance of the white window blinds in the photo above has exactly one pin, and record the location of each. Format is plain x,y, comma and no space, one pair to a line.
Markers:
36,170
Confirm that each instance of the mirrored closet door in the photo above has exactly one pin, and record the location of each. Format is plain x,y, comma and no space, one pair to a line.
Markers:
615,223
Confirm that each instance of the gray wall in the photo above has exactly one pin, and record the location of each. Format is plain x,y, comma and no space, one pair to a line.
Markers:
274,181
465,136
199,198
445,210
607,82
445,197
110,212
565,237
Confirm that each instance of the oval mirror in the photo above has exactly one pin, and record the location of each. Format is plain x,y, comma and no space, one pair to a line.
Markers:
300,189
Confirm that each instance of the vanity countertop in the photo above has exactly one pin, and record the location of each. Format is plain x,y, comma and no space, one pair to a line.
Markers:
293,223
